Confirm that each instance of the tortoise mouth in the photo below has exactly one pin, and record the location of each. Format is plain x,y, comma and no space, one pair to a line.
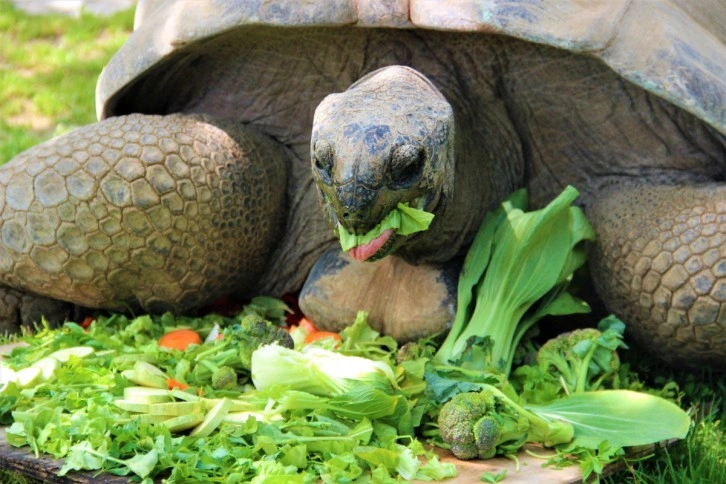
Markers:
388,247
366,251
389,241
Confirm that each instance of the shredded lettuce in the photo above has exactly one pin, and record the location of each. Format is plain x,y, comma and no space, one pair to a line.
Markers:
404,220
358,429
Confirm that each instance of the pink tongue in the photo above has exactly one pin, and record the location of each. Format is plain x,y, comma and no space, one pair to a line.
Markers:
363,252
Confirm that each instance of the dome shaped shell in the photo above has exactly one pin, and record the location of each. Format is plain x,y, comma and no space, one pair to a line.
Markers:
673,48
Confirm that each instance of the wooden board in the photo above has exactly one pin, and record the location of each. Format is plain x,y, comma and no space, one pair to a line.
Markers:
530,469
22,461
45,468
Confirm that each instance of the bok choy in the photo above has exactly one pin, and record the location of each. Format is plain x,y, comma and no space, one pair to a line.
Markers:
516,272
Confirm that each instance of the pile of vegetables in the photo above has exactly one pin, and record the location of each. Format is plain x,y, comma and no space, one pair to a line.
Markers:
251,398
152,397
517,272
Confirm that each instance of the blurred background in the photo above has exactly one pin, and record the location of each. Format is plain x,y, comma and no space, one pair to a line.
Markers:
51,52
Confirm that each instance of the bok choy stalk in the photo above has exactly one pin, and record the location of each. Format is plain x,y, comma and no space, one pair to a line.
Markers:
488,422
516,272
317,371
355,387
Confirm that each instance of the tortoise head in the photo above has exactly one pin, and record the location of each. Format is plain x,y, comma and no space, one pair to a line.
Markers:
388,139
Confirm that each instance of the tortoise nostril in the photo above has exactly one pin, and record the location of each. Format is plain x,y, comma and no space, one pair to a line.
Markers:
346,215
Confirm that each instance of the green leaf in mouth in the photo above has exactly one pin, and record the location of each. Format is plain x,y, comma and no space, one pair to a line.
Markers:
404,220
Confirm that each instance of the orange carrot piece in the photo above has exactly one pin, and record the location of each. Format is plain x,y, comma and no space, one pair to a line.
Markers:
87,321
179,339
176,384
308,325
318,335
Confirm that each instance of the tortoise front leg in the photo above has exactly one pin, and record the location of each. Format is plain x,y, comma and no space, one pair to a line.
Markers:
402,300
157,212
660,265
19,309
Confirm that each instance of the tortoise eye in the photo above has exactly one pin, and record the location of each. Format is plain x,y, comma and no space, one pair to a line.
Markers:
406,164
323,159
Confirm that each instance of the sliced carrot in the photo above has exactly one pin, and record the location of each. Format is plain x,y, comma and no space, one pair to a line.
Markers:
318,335
307,325
292,328
179,339
176,384
87,321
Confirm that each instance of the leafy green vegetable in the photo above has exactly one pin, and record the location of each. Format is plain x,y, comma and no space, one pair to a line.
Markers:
516,272
493,478
622,418
83,456
486,423
317,371
357,387
359,339
404,220
277,433
351,414
585,359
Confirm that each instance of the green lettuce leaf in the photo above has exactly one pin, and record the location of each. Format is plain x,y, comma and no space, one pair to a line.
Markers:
404,220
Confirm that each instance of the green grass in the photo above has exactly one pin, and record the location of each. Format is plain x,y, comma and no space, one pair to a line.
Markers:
701,457
10,477
48,70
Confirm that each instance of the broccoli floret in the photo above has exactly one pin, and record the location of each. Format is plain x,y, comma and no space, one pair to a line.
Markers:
486,423
584,359
487,434
500,434
251,333
234,352
457,418
413,351
224,378
556,355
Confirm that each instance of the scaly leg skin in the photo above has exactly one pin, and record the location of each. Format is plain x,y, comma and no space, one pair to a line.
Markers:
152,212
402,300
24,310
660,265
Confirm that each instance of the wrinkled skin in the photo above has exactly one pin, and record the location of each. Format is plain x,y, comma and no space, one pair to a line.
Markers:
523,115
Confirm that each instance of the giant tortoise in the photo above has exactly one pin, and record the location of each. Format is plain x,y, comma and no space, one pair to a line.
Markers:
225,125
